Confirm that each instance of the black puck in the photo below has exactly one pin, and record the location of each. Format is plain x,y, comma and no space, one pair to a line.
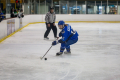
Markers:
45,58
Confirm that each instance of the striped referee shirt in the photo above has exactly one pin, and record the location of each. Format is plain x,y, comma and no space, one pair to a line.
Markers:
50,17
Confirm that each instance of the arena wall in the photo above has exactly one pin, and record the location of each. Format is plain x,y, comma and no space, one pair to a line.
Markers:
18,24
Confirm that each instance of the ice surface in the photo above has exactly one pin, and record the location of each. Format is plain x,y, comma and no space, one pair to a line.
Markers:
96,56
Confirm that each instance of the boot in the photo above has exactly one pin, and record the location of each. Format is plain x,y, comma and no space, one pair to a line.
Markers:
59,53
67,52
46,38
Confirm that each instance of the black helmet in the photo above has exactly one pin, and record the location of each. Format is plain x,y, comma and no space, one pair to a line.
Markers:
51,8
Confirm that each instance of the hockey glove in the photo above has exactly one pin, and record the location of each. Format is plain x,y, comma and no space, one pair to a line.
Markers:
54,43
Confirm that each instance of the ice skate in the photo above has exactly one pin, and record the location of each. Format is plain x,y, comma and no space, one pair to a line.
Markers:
66,52
46,38
59,53
55,38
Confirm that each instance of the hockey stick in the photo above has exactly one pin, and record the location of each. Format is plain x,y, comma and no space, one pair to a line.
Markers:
48,50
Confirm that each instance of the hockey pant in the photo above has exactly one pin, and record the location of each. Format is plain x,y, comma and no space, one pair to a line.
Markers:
67,45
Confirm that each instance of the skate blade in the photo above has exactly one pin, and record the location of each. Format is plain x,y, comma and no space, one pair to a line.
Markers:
58,55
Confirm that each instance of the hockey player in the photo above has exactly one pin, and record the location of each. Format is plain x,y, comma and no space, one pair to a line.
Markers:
69,37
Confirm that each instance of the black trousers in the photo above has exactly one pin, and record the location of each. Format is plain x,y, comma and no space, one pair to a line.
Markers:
49,29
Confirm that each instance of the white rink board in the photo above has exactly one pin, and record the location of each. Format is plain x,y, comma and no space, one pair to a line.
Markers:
3,29
82,17
41,18
96,56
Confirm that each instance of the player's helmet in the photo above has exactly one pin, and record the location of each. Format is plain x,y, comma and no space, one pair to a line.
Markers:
61,22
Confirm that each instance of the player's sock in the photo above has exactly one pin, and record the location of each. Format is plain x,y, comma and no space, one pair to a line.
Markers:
62,49
68,50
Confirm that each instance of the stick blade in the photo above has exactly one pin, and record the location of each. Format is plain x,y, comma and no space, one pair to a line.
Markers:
41,58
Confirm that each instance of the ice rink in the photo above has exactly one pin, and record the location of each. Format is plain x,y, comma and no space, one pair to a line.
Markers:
96,56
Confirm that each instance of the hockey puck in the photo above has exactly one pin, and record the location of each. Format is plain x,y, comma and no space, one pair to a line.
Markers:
45,58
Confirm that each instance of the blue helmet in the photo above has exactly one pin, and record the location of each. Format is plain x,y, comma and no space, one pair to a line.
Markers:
61,22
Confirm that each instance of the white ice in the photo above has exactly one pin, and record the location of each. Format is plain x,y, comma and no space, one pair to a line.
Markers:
96,56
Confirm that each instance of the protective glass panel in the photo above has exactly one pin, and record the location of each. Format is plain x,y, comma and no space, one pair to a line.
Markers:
63,7
56,6
72,7
91,7
112,8
82,7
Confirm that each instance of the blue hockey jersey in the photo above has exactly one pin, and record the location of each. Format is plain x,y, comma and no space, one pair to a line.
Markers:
69,33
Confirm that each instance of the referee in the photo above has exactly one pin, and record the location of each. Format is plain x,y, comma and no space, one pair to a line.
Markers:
50,23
